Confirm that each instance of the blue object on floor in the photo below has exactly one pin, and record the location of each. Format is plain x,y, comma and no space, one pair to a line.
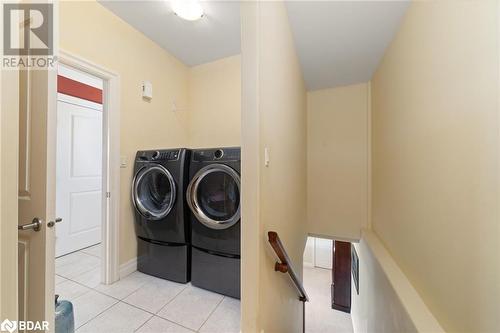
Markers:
65,318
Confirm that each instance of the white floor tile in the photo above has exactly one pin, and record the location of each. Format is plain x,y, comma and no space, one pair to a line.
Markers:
59,279
184,308
70,258
125,286
90,279
120,318
154,294
93,250
160,325
191,307
69,290
225,319
320,317
77,265
89,305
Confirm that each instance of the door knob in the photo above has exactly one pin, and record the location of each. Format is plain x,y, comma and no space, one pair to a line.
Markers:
52,223
34,225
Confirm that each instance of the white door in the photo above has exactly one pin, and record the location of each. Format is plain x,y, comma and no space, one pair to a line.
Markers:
36,189
79,173
323,252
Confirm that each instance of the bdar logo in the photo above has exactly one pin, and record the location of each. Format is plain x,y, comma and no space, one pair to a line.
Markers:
8,326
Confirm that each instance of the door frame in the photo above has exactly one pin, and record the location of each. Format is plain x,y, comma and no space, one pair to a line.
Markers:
111,162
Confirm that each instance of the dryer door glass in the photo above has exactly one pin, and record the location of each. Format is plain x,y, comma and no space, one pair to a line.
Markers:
219,196
214,196
154,192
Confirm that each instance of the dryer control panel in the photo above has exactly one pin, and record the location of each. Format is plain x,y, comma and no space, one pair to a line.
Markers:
158,155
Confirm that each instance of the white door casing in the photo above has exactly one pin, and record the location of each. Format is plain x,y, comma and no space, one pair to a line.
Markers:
79,174
110,160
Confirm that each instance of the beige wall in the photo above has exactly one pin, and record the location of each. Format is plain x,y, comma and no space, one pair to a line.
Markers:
337,161
274,114
90,31
215,104
435,151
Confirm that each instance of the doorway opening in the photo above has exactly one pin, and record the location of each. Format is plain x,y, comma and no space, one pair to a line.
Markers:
87,176
321,258
79,171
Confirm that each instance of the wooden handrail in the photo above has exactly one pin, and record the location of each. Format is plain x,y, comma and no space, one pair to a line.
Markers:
285,266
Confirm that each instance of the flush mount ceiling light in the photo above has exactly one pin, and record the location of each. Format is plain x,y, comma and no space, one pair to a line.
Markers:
190,10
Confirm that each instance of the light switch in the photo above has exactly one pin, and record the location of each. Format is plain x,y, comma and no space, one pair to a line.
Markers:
123,161
266,157
147,90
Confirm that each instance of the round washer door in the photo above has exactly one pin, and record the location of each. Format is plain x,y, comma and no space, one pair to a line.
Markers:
153,192
214,196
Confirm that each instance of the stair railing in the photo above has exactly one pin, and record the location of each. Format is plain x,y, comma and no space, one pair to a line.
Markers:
284,265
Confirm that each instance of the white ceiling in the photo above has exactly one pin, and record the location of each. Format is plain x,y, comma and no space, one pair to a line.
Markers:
338,42
215,36
342,42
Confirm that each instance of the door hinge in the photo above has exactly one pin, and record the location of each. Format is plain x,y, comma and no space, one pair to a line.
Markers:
108,194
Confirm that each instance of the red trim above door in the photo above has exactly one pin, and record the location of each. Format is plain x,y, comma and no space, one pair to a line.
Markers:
77,89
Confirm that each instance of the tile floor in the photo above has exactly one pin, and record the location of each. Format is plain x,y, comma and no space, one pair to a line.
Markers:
320,317
139,302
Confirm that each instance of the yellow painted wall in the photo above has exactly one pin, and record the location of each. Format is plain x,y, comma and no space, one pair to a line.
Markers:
435,151
274,197
90,31
337,161
215,104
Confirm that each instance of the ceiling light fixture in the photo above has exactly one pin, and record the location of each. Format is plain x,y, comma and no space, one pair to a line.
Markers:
190,10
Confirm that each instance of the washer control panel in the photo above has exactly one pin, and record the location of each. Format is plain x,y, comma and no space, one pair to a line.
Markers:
158,155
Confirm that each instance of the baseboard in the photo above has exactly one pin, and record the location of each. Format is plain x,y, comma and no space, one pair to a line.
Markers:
128,267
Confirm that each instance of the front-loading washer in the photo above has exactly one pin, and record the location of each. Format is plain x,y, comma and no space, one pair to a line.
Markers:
161,223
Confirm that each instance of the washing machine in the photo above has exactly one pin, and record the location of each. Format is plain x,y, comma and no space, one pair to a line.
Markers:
161,215
213,196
